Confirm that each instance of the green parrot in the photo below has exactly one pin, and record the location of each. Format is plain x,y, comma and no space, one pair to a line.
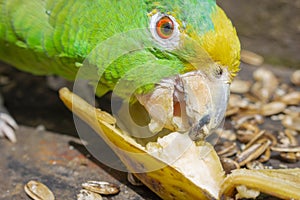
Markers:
175,58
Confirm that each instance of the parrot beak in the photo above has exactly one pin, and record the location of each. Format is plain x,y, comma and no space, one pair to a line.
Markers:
193,102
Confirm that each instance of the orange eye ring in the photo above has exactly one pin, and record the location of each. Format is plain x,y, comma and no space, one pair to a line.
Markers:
165,27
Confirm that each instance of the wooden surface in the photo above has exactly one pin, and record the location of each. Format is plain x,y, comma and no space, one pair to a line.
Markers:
61,162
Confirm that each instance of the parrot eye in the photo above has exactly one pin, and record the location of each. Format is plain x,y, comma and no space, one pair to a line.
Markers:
165,30
165,27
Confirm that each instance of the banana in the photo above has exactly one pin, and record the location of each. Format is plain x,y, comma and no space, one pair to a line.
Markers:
192,176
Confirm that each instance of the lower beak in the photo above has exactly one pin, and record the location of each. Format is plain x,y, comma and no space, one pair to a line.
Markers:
193,102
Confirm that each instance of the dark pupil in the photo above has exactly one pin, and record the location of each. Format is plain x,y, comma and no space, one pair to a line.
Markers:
167,28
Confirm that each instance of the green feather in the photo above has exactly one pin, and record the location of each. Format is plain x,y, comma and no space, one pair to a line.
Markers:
61,36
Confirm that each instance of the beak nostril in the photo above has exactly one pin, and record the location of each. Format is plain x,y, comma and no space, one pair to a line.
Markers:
219,72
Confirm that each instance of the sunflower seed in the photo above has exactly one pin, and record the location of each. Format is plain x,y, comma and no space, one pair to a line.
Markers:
88,195
251,58
38,191
227,149
101,187
240,86
289,157
253,152
295,78
133,180
291,123
292,98
229,165
286,149
255,165
265,85
273,108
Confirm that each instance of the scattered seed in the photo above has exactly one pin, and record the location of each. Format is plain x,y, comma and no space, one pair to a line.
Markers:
266,156
227,134
286,149
246,193
232,111
265,85
291,123
250,127
38,191
239,120
229,165
255,165
280,92
271,137
277,117
289,157
292,140
292,132
227,149
133,180
248,108
273,108
295,78
256,136
253,152
240,86
283,139
292,98
251,58
292,111
283,166
101,187
244,136
237,101
88,195
298,155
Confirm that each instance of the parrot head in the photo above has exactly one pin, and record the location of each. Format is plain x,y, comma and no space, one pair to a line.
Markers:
181,59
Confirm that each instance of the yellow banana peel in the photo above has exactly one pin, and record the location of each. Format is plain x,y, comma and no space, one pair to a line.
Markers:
192,176
168,181
282,183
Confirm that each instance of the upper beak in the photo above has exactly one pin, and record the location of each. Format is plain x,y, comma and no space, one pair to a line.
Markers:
194,102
